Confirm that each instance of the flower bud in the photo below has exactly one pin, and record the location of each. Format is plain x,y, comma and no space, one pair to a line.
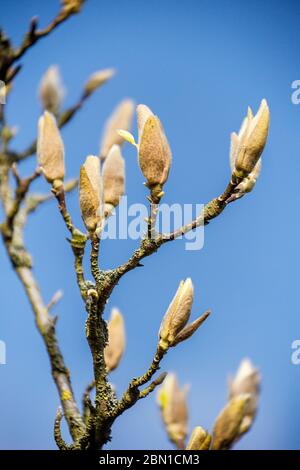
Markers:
246,380
153,151
200,439
172,401
248,145
113,174
90,193
190,329
50,148
98,79
121,118
247,184
177,314
115,347
143,113
51,90
227,425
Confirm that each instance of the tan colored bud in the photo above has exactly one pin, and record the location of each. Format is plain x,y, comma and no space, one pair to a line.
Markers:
154,153
177,314
228,423
90,193
114,350
173,405
113,174
143,113
246,380
50,148
72,6
98,79
247,184
121,118
248,145
200,439
51,90
190,329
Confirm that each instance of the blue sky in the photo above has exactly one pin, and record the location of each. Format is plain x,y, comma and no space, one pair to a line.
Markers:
198,65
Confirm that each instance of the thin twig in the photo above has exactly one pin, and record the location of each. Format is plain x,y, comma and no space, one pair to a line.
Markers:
152,386
133,393
20,193
61,444
33,35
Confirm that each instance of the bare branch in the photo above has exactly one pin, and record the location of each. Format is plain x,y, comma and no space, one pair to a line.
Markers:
133,394
33,35
61,444
155,383
22,188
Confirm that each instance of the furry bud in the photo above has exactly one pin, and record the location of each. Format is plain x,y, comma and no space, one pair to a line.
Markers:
227,424
115,347
153,151
172,401
199,440
90,193
246,380
50,149
121,118
51,90
248,145
177,314
113,174
98,79
143,113
190,329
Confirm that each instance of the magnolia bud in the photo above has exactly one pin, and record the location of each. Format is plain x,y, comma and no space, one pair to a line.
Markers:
114,350
121,118
200,440
50,148
177,314
190,329
246,380
51,90
98,79
247,184
172,401
90,193
113,174
248,145
227,424
153,151
143,113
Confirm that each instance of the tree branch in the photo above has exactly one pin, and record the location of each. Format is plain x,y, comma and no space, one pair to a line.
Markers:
21,261
133,394
33,35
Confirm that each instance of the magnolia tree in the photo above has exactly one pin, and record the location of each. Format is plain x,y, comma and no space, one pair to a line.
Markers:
101,186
